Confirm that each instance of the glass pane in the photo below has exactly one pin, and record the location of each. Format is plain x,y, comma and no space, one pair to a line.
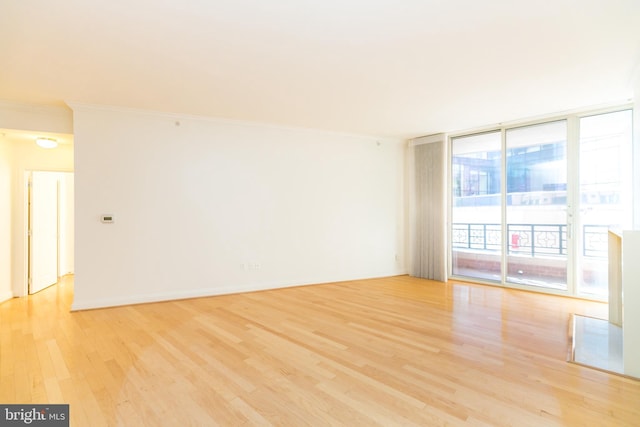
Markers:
536,205
476,213
605,193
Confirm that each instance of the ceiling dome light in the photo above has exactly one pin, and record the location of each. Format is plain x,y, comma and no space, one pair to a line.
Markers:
47,142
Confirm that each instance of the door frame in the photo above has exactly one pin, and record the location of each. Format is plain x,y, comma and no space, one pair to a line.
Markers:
22,289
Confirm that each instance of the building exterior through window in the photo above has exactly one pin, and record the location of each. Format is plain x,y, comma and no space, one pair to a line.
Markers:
532,205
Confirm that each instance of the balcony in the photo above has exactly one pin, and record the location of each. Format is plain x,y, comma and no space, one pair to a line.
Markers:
536,254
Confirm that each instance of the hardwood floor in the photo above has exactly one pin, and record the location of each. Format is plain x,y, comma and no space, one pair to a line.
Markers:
392,351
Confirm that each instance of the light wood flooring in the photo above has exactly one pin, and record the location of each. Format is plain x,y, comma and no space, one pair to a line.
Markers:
392,351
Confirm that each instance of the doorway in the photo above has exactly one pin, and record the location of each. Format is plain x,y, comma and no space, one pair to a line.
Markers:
49,228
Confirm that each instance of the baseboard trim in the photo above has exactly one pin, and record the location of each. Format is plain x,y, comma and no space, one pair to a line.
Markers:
202,293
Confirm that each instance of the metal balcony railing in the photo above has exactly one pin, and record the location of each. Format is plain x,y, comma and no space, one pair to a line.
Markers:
529,239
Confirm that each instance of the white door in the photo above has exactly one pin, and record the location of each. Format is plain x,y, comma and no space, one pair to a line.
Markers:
43,242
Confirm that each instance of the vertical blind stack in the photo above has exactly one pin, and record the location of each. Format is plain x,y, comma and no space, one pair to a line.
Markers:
427,204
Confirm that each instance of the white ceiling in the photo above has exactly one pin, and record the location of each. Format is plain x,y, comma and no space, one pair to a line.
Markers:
384,67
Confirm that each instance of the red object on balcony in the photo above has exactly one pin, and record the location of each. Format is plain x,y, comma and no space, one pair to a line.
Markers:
515,241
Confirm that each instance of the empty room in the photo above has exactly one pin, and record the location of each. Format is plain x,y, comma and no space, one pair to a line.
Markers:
320,213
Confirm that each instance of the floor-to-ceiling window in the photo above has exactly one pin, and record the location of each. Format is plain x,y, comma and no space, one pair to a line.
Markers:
605,194
531,204
476,231
536,211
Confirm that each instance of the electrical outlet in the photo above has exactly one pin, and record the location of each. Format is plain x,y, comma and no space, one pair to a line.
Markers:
251,266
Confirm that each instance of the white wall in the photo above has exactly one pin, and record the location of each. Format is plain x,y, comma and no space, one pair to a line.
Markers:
210,207
66,229
636,149
5,220
631,302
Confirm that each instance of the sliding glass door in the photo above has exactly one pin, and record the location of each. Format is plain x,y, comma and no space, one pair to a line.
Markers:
532,205
476,231
536,214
